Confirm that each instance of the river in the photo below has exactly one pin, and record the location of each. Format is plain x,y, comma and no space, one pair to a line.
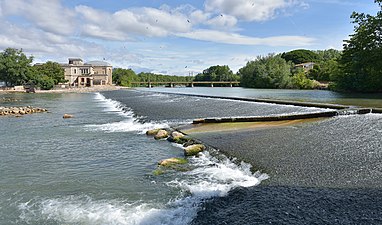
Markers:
97,168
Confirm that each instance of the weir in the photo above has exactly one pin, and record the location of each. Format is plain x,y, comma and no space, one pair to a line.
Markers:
270,101
326,114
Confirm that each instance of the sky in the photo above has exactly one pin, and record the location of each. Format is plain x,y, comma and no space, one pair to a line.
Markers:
176,37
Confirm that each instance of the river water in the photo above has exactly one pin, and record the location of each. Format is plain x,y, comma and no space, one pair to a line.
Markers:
97,168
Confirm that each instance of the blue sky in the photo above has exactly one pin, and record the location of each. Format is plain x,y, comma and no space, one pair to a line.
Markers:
176,37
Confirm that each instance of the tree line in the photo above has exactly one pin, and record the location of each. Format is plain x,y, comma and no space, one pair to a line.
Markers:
17,69
127,77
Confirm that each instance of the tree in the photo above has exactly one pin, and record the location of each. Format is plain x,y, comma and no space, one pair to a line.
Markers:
217,73
52,70
300,56
270,71
301,81
124,77
361,61
14,67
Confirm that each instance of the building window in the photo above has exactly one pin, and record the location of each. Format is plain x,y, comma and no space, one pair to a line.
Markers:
75,71
84,71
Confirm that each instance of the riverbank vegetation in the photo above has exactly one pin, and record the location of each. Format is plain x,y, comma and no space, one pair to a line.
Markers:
127,77
16,69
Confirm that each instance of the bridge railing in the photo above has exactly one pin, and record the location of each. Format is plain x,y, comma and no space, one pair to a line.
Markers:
190,84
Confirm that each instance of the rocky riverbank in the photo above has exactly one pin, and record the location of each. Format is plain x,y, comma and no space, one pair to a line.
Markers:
19,111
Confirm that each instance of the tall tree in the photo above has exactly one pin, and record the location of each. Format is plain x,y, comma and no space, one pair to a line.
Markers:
52,70
300,56
270,71
361,62
124,77
14,67
217,73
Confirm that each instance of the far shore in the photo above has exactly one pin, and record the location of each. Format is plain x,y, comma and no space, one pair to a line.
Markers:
71,90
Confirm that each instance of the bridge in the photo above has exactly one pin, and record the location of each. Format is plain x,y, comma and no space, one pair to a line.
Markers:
150,84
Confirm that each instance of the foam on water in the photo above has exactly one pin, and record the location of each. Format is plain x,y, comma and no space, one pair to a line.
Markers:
214,177
84,210
211,177
129,124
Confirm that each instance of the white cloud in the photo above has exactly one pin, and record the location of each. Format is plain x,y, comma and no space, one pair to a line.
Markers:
237,39
43,44
226,21
49,15
198,16
249,10
127,23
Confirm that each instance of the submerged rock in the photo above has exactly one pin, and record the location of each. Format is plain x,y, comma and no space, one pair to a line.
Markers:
67,116
172,161
161,134
193,150
158,172
152,132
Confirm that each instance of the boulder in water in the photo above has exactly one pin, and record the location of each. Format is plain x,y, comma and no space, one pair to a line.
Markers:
161,134
172,161
176,137
67,116
152,132
193,150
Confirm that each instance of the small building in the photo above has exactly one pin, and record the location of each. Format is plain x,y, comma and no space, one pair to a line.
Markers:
80,74
306,66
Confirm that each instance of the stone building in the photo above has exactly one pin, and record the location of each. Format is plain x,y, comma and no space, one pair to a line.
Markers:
306,66
80,74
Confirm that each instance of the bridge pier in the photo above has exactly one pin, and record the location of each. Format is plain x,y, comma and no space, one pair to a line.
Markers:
212,84
150,86
171,85
230,84
192,84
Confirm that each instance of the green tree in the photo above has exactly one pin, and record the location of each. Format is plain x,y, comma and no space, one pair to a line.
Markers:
217,73
270,71
301,81
361,61
328,54
124,77
300,56
50,70
14,67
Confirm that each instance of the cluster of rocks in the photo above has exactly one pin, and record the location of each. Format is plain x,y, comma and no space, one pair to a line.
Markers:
190,148
17,111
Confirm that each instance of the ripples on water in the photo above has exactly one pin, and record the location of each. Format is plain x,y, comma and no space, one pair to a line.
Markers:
96,168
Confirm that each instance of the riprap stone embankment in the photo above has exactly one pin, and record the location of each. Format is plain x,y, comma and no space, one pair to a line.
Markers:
17,111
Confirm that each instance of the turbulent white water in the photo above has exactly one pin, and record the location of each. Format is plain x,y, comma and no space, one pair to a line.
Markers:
130,123
209,177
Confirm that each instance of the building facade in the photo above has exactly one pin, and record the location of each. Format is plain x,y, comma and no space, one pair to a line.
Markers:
80,74
306,66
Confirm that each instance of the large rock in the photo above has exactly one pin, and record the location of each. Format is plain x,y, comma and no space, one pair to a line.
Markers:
67,116
161,134
176,137
193,150
152,132
172,161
